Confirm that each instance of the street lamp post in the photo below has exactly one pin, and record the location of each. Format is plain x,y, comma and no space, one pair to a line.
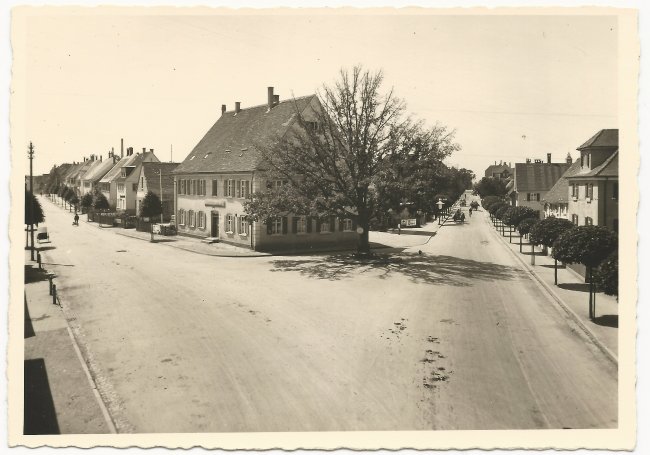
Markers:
161,196
31,198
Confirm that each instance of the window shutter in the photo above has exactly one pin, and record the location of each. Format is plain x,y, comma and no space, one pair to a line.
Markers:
528,196
332,223
238,185
269,228
285,223
317,224
340,224
538,198
294,225
248,188
308,222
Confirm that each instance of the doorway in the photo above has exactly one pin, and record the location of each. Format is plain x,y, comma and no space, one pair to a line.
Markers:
214,225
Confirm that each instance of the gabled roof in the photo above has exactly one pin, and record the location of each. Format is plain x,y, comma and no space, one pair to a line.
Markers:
603,138
63,169
150,172
531,177
608,168
229,146
83,169
133,161
115,171
560,191
98,170
72,171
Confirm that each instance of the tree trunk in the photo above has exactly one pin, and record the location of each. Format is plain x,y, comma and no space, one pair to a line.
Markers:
532,256
556,272
363,245
591,310
510,228
520,242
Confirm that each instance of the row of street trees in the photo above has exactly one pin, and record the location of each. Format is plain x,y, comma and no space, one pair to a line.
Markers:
596,247
366,159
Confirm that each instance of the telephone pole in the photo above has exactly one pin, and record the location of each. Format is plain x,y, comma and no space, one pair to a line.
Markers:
31,198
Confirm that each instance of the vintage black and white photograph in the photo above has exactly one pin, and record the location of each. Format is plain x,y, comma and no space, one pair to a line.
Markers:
319,221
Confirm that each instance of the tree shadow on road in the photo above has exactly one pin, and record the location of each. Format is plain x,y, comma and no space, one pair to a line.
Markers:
418,268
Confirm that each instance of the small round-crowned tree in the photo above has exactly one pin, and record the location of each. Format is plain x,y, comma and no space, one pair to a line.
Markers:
547,232
587,245
151,205
524,227
606,276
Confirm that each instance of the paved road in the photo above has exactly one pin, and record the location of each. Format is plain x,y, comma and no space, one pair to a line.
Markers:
458,337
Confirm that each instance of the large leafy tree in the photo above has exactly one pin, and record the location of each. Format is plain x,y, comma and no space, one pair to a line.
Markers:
414,174
587,245
547,232
489,186
332,160
151,205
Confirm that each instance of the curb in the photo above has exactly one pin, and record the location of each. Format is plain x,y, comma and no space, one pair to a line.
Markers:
91,381
574,317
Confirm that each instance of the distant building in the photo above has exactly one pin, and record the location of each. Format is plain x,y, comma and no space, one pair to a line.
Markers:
499,171
127,182
90,180
556,201
593,190
223,170
533,180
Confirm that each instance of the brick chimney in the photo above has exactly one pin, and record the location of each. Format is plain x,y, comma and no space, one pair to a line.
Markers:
122,148
528,160
144,150
237,107
270,97
569,160
276,100
223,109
548,158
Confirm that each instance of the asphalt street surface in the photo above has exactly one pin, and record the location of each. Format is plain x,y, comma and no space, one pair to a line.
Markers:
452,334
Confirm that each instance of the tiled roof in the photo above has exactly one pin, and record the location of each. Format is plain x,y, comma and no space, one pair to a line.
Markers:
151,170
72,171
560,191
229,146
98,170
603,138
134,161
608,168
538,176
83,169
63,169
115,170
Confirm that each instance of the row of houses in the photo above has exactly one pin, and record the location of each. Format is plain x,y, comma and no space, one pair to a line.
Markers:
584,191
204,195
124,180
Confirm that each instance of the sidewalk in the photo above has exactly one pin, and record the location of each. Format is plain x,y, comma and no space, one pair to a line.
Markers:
60,398
406,237
572,293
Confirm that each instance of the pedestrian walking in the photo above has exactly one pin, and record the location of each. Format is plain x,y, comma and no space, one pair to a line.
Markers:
76,219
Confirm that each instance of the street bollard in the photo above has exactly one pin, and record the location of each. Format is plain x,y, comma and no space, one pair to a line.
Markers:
38,258
54,294
50,280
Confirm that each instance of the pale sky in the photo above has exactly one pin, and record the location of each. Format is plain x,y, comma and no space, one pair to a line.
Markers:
158,81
